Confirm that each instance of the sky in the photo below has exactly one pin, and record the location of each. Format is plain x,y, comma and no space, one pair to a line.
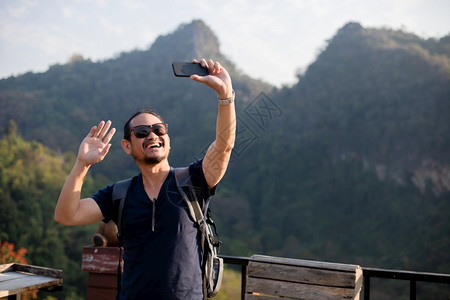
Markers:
266,39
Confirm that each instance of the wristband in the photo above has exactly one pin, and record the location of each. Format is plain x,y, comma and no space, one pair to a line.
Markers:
227,100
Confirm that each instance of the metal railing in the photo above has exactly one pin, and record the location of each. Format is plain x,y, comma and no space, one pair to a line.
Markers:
368,273
412,277
243,263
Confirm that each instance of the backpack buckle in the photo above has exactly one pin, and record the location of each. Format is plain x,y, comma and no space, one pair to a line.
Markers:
200,222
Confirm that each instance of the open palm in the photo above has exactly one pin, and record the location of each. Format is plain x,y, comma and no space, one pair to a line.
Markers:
96,144
218,78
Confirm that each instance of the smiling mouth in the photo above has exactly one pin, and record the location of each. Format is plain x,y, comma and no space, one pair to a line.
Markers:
153,145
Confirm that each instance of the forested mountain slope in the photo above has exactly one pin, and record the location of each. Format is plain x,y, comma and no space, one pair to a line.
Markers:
352,162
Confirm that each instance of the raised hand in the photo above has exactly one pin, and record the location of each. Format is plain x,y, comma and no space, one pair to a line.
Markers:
95,145
218,78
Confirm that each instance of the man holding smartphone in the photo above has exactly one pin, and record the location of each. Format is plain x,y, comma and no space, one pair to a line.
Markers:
162,254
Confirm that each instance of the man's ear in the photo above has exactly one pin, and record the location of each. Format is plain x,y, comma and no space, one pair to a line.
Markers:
126,146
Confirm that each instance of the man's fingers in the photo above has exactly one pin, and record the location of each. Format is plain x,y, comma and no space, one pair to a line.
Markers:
109,136
101,131
95,130
197,78
203,63
218,78
104,130
210,63
91,132
214,67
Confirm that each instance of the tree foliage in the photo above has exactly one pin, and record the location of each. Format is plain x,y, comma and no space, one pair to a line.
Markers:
31,177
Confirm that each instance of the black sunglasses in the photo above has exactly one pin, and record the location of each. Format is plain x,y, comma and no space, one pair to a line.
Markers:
143,131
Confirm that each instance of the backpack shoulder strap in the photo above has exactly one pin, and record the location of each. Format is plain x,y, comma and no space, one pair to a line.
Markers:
183,180
119,194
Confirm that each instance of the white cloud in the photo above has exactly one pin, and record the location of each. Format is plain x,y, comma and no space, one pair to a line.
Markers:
72,14
17,12
20,9
110,27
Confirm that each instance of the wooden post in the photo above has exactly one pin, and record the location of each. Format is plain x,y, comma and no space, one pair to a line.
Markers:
102,265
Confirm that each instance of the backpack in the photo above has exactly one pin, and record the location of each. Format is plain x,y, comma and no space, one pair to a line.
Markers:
212,264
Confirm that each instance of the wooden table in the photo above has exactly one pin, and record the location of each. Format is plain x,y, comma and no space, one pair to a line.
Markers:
16,279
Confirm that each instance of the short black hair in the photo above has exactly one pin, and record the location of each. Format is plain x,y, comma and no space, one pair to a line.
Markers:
145,110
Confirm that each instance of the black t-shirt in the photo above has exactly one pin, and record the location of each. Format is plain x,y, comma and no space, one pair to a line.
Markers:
162,254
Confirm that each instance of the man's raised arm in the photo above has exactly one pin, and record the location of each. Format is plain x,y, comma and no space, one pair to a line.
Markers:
218,155
70,209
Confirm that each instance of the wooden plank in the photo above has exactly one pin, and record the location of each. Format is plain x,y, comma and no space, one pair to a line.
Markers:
268,297
114,251
297,290
258,296
41,271
10,276
100,294
101,286
12,283
108,281
302,274
305,263
5,267
18,278
100,259
264,297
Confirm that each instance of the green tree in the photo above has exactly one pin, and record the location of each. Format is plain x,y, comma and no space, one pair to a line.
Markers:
31,177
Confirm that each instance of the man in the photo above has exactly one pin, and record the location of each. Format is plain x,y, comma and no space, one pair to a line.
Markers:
162,256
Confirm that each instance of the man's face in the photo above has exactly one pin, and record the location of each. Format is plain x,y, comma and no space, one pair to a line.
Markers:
151,149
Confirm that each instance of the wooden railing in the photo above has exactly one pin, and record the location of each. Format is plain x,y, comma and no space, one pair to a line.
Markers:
368,273
101,263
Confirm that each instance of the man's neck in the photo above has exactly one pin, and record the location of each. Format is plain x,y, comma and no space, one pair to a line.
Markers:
154,175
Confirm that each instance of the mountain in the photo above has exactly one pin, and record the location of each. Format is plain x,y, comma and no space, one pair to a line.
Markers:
350,164
383,96
58,107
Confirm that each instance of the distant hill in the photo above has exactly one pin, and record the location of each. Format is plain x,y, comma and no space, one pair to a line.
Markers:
355,164
350,164
382,95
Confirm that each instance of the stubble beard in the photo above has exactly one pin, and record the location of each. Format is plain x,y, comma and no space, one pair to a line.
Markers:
152,160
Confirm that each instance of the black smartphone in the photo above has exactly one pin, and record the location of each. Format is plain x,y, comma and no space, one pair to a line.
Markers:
186,69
